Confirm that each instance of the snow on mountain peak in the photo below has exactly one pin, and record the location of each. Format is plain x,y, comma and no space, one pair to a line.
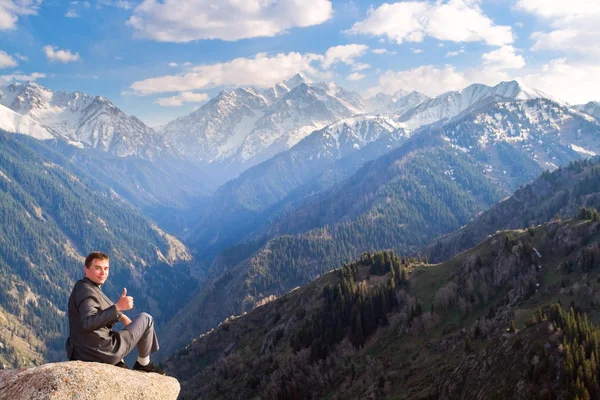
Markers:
84,120
451,104
295,81
349,135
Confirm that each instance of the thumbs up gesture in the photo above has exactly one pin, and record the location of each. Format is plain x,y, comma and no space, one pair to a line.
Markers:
125,302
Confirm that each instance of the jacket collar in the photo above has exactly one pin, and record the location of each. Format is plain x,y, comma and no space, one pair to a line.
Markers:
91,282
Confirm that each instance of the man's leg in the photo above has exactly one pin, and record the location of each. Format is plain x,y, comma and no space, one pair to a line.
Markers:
141,332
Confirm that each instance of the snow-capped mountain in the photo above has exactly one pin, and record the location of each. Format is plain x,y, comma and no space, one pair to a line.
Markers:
383,100
450,104
11,121
335,151
541,130
84,120
348,135
304,109
217,129
592,108
402,104
240,128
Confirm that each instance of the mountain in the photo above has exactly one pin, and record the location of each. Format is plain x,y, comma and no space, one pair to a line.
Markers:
481,325
592,108
303,110
402,104
511,141
52,214
217,128
402,200
117,149
544,132
383,100
84,120
557,194
448,105
11,121
244,127
437,181
323,158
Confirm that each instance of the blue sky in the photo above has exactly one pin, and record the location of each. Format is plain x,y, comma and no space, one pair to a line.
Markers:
160,59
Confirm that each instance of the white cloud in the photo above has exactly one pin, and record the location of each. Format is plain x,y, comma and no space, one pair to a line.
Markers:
187,64
344,53
6,60
574,23
4,79
503,58
10,10
125,5
564,11
453,20
455,53
426,79
360,67
416,51
260,71
577,82
568,40
173,64
185,97
20,57
71,13
379,51
188,20
434,81
355,76
53,53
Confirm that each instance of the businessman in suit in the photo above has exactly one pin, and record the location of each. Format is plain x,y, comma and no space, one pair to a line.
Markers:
92,315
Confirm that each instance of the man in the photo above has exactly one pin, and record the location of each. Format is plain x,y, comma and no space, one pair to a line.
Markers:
92,316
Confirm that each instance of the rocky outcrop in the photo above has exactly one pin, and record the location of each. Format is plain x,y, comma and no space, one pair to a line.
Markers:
76,380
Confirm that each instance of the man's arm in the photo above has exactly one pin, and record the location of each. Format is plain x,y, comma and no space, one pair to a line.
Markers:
125,319
92,319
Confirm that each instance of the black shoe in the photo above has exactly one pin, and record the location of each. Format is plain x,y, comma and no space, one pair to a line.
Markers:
148,368
122,364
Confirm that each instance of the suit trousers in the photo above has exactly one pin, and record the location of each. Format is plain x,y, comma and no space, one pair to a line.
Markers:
142,334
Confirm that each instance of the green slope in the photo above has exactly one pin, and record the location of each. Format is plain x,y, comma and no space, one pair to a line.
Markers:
560,193
442,333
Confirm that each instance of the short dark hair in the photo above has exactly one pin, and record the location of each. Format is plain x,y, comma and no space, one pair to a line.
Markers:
95,255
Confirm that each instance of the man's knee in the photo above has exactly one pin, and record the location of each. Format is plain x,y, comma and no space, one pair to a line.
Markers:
148,318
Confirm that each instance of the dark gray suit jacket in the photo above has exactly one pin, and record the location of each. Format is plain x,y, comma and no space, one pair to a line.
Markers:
91,318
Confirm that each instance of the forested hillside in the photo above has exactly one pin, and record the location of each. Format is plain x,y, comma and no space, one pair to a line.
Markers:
554,194
481,325
51,216
169,191
272,188
400,201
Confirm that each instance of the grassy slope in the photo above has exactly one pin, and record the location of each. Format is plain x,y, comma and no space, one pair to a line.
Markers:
251,356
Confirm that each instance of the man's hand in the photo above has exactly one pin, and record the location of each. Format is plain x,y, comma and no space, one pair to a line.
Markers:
125,320
125,302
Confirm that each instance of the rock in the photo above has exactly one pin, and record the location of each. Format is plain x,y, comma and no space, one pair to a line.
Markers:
77,380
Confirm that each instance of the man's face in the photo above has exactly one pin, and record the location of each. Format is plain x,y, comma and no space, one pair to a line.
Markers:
97,272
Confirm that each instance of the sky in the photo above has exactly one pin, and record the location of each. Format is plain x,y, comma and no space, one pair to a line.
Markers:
162,59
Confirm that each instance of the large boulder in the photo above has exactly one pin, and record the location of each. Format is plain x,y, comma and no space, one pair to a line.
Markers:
77,380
